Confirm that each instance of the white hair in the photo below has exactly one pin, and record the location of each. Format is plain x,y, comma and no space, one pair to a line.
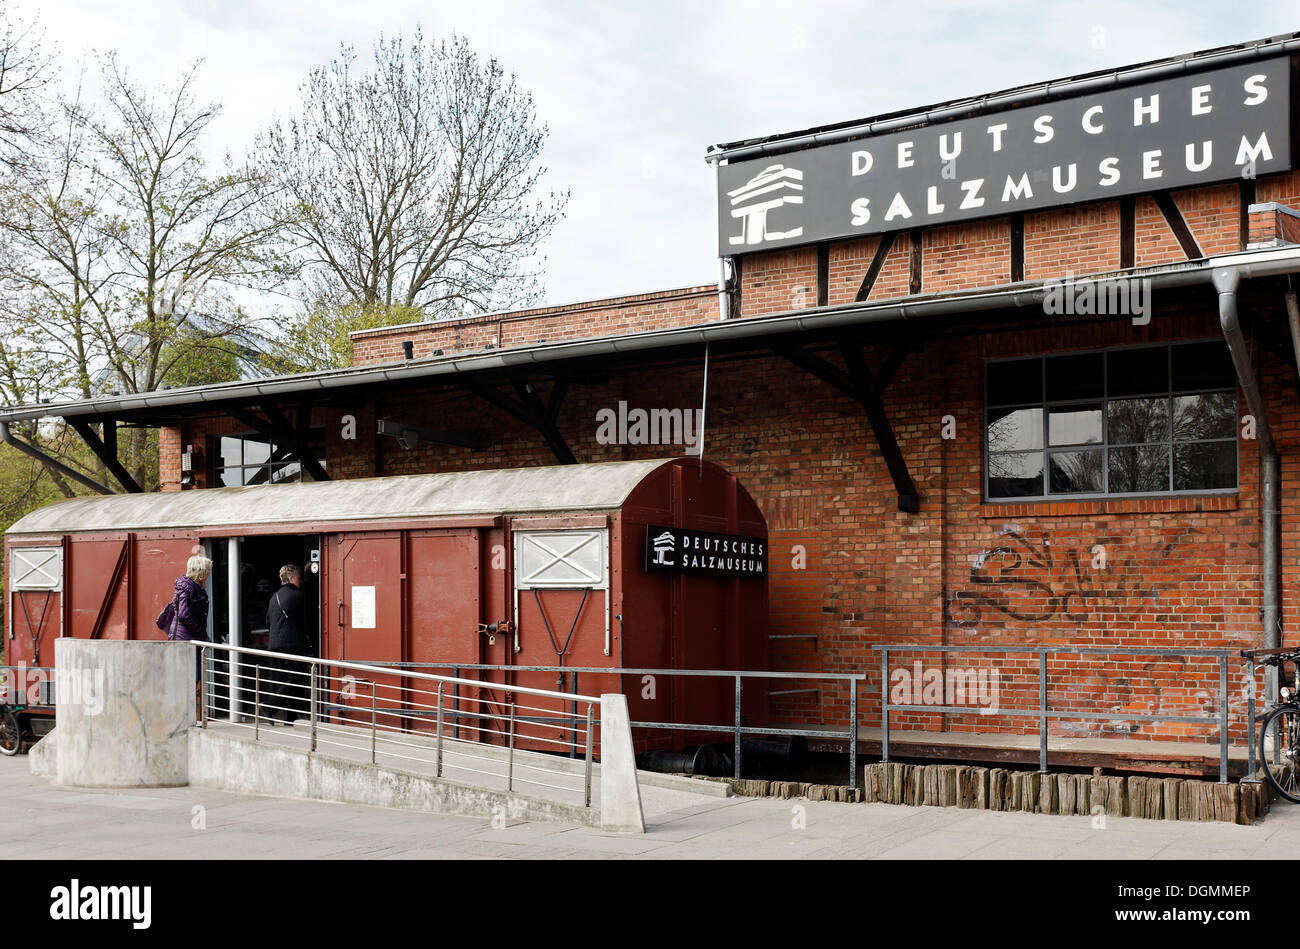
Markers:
197,566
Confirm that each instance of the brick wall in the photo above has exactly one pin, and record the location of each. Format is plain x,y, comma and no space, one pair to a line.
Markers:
1075,241
848,570
609,317
169,459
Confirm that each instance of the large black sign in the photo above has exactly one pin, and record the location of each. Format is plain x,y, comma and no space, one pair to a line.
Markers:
678,550
1194,129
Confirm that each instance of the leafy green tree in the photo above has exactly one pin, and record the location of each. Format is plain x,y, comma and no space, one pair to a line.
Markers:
318,339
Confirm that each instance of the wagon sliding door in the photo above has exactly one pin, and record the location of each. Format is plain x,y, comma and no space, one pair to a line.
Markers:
562,611
443,617
366,614
35,604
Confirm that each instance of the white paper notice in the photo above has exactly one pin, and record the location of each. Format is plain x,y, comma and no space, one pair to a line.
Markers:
363,607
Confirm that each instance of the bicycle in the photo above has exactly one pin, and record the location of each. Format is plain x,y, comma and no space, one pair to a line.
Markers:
22,721
1279,730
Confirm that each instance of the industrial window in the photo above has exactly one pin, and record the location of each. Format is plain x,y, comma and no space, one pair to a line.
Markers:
1149,420
252,459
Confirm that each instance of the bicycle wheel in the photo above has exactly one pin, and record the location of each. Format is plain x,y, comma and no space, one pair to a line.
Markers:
11,733
1279,747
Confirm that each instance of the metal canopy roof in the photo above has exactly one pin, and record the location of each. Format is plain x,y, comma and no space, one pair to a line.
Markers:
552,489
757,332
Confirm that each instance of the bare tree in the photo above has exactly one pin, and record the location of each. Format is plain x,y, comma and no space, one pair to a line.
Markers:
26,69
128,252
414,184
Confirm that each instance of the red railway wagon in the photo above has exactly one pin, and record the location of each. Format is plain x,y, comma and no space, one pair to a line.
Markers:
637,564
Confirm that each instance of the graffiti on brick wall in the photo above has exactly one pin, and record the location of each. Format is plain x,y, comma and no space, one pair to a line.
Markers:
1020,579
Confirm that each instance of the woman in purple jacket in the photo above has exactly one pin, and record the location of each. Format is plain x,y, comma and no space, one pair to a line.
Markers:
191,619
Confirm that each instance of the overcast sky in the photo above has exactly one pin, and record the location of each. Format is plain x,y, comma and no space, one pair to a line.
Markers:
635,92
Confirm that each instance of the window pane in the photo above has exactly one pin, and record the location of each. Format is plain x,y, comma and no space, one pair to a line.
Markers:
1137,371
1135,421
1205,416
1015,429
231,477
1203,366
229,450
1074,425
1015,383
1016,475
1075,472
1205,466
1076,377
1134,470
255,452
292,471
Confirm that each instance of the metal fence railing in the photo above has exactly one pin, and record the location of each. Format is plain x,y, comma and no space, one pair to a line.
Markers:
356,706
737,727
1042,710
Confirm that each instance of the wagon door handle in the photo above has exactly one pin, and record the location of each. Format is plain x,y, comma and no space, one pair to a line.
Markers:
340,614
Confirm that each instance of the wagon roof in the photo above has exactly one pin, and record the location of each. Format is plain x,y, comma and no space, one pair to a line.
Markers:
552,489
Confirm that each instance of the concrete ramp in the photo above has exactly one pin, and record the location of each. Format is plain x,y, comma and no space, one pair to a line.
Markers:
279,762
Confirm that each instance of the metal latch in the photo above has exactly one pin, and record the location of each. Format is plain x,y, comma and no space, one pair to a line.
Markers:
490,630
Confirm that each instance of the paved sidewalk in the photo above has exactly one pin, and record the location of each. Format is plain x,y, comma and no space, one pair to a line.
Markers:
40,819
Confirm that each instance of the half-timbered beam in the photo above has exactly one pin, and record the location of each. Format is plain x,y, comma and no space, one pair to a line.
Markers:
530,410
859,383
105,449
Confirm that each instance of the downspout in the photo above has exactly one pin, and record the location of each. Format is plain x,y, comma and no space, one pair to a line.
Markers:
1226,281
724,301
32,451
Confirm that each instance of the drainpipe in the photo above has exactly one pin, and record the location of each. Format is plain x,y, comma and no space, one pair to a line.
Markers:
724,302
1226,281
49,461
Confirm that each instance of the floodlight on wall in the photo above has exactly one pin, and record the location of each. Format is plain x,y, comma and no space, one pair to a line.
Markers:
410,436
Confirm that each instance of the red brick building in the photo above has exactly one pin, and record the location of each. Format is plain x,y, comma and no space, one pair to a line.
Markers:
945,456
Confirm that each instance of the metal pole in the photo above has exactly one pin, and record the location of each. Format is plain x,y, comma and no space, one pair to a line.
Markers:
587,792
573,708
736,769
234,623
510,773
884,705
373,720
1042,711
257,701
315,698
1251,766
439,772
1223,719
203,687
853,734
455,704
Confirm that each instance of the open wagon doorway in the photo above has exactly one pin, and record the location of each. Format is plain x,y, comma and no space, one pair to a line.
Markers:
244,581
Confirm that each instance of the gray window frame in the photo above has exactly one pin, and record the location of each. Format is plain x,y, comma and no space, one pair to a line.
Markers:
1105,445
316,437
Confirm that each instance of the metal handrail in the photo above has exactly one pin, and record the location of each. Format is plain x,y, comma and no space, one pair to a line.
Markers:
1043,713
387,669
236,683
736,727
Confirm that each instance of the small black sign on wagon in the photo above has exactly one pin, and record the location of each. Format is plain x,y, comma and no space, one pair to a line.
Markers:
681,550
